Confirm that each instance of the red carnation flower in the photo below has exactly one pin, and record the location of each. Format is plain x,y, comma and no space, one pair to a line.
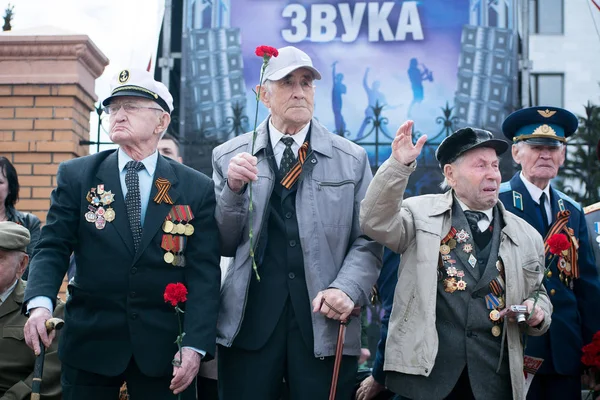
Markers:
266,51
558,243
175,293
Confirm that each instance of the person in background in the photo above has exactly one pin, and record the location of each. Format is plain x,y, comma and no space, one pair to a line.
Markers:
168,146
9,195
592,217
539,137
16,359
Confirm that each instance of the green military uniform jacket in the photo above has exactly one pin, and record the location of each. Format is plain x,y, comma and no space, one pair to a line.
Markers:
17,360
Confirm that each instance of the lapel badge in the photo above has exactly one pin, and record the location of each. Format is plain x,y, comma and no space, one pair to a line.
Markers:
517,200
451,271
450,285
472,261
461,285
99,211
561,205
467,248
162,196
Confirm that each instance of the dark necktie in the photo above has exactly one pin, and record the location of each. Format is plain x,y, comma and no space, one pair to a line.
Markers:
473,217
133,201
543,210
289,158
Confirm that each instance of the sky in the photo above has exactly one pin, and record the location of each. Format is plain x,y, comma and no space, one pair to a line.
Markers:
126,31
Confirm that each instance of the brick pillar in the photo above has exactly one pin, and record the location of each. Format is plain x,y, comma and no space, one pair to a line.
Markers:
46,96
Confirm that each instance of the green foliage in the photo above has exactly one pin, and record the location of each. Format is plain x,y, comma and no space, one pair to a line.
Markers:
580,176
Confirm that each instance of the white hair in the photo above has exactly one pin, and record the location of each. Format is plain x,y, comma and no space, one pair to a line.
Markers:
445,185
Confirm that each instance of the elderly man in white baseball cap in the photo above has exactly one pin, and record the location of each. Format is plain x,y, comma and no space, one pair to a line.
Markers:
314,263
129,216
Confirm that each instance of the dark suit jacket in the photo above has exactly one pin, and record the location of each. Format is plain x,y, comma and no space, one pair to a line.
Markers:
17,360
592,216
576,315
116,309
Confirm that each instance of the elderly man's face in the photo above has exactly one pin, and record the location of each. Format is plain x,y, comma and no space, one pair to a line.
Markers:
539,163
143,121
476,178
12,266
291,99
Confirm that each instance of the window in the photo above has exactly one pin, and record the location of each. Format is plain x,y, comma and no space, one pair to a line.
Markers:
548,90
546,17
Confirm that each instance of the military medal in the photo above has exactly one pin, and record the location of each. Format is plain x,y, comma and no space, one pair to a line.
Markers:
496,331
90,216
461,285
98,213
100,222
467,248
175,260
445,249
452,243
451,271
109,215
180,229
167,226
168,257
450,285
494,315
462,236
189,230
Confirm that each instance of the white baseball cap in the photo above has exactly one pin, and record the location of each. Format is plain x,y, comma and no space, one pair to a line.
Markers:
289,59
140,83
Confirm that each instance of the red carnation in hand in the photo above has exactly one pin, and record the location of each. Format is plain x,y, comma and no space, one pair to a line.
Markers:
558,243
175,293
266,51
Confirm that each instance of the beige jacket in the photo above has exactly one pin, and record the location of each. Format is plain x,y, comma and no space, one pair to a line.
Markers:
414,227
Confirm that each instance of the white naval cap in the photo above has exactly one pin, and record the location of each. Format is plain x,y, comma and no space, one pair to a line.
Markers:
140,83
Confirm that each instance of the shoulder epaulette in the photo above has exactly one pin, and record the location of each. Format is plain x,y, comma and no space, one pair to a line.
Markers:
505,187
570,200
591,208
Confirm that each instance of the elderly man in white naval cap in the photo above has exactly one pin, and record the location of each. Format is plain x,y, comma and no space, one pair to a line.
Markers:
136,222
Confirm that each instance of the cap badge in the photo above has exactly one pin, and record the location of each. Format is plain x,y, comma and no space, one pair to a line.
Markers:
546,113
123,76
545,130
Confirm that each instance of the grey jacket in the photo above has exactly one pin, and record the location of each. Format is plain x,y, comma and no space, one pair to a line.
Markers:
414,228
334,180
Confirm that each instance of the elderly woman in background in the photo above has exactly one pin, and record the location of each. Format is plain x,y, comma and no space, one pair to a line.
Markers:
9,195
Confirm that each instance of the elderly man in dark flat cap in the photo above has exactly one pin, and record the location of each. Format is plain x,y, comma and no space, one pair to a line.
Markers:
16,359
465,262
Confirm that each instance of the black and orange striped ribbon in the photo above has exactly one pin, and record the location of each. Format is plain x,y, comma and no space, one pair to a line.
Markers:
292,176
163,186
560,226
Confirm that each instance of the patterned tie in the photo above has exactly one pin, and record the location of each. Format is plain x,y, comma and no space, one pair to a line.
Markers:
543,210
288,159
133,201
473,217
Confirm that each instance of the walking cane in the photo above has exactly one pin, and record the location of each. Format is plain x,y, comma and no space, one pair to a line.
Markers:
38,369
338,351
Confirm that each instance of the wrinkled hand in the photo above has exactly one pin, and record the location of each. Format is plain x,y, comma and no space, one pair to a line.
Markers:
403,149
242,169
368,389
365,354
536,316
35,329
185,374
590,381
333,303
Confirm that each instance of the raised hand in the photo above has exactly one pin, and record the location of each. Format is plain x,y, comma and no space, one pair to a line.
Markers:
403,149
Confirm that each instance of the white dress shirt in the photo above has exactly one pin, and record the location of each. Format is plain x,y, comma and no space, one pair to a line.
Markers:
279,146
535,193
483,223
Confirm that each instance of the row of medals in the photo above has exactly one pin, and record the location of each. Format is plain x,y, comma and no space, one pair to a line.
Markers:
99,212
178,260
450,283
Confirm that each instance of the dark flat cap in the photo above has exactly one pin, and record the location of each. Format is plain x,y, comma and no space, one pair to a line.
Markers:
466,139
13,237
549,126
